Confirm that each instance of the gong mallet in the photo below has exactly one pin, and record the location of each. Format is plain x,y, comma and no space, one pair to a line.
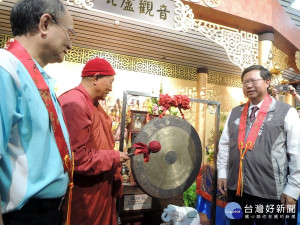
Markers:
142,148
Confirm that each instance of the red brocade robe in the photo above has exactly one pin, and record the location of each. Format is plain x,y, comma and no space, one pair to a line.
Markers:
97,177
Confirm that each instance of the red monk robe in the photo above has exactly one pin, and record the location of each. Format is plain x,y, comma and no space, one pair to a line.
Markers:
97,177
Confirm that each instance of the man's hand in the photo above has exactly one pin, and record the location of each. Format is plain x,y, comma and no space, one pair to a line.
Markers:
292,90
123,157
287,200
222,185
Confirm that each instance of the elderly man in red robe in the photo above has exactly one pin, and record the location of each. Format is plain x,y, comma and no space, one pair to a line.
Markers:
97,178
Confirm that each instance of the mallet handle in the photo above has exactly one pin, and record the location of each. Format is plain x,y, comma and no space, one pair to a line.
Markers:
130,154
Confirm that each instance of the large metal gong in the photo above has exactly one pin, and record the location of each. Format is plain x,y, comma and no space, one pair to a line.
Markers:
175,167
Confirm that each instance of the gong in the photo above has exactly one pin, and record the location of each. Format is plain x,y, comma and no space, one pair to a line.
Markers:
175,167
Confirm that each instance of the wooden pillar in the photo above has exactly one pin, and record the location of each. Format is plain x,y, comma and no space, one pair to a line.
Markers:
289,99
202,74
265,45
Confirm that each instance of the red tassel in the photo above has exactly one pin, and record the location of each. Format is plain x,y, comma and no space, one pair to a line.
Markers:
70,190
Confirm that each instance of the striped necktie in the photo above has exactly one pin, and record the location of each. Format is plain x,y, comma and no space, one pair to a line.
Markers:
252,115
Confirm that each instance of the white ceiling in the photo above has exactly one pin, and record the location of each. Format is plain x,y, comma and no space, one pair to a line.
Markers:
293,13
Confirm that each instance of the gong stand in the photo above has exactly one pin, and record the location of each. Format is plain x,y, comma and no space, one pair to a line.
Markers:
158,125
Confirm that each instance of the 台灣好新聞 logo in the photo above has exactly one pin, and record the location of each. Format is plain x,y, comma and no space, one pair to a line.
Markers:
233,211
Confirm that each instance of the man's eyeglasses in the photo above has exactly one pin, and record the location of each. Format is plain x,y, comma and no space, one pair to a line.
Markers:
251,82
70,33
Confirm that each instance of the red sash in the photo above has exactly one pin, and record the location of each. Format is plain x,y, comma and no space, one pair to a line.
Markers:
20,52
262,113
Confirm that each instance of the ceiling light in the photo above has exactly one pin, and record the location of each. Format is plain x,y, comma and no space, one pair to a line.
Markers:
296,4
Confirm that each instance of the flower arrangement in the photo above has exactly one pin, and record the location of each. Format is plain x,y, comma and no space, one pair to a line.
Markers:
182,102
167,105
209,152
155,108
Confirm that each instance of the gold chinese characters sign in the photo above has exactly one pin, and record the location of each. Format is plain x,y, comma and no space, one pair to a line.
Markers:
240,46
159,12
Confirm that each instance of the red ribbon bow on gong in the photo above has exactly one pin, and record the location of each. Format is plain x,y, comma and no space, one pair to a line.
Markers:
142,148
